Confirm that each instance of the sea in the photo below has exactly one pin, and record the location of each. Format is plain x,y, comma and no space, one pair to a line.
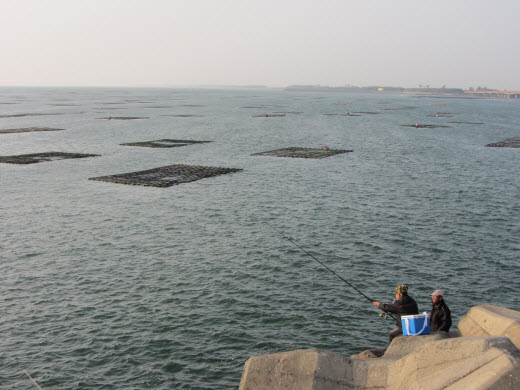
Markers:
113,286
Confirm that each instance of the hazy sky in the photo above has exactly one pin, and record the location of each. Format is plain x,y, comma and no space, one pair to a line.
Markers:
457,43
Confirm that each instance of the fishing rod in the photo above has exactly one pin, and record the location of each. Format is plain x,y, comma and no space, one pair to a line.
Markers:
324,265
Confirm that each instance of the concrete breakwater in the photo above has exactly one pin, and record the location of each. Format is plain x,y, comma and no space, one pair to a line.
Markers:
483,354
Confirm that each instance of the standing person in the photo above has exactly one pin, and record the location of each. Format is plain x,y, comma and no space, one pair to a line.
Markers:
440,317
403,305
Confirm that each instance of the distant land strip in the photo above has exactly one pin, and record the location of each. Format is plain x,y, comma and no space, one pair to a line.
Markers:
453,92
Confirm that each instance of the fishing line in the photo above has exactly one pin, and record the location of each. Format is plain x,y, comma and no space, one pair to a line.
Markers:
324,265
30,377
294,243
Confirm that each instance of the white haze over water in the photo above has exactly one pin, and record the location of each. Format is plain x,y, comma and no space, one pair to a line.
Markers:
275,43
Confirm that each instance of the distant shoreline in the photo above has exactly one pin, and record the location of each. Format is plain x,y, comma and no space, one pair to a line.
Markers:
446,93
424,92
378,89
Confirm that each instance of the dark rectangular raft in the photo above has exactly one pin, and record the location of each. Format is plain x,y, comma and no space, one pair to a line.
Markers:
29,114
296,152
124,118
27,130
164,143
166,176
508,143
41,157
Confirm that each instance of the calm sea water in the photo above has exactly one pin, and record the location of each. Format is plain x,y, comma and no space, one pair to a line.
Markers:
108,286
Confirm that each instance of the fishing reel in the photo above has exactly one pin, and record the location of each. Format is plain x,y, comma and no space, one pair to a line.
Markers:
383,315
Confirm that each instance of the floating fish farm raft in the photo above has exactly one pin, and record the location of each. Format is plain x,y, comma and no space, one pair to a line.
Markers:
508,143
342,114
467,123
398,108
165,143
124,118
182,116
28,130
442,115
41,157
166,176
419,126
295,152
24,115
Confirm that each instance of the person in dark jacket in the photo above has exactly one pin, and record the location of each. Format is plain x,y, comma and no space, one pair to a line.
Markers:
403,305
440,317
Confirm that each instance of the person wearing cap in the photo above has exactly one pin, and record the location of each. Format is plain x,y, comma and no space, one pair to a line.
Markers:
440,317
403,305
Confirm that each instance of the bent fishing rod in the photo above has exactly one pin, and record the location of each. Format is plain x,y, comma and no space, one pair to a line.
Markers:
324,265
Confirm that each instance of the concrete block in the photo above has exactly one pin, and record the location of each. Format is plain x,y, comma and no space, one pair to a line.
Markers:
286,370
403,345
311,369
489,320
373,353
466,362
436,361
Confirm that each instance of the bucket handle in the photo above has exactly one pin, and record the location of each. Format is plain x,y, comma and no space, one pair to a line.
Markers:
422,330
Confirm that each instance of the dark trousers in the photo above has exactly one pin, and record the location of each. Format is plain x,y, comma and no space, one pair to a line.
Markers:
394,333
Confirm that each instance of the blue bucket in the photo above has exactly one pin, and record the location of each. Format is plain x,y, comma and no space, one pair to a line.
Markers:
416,325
